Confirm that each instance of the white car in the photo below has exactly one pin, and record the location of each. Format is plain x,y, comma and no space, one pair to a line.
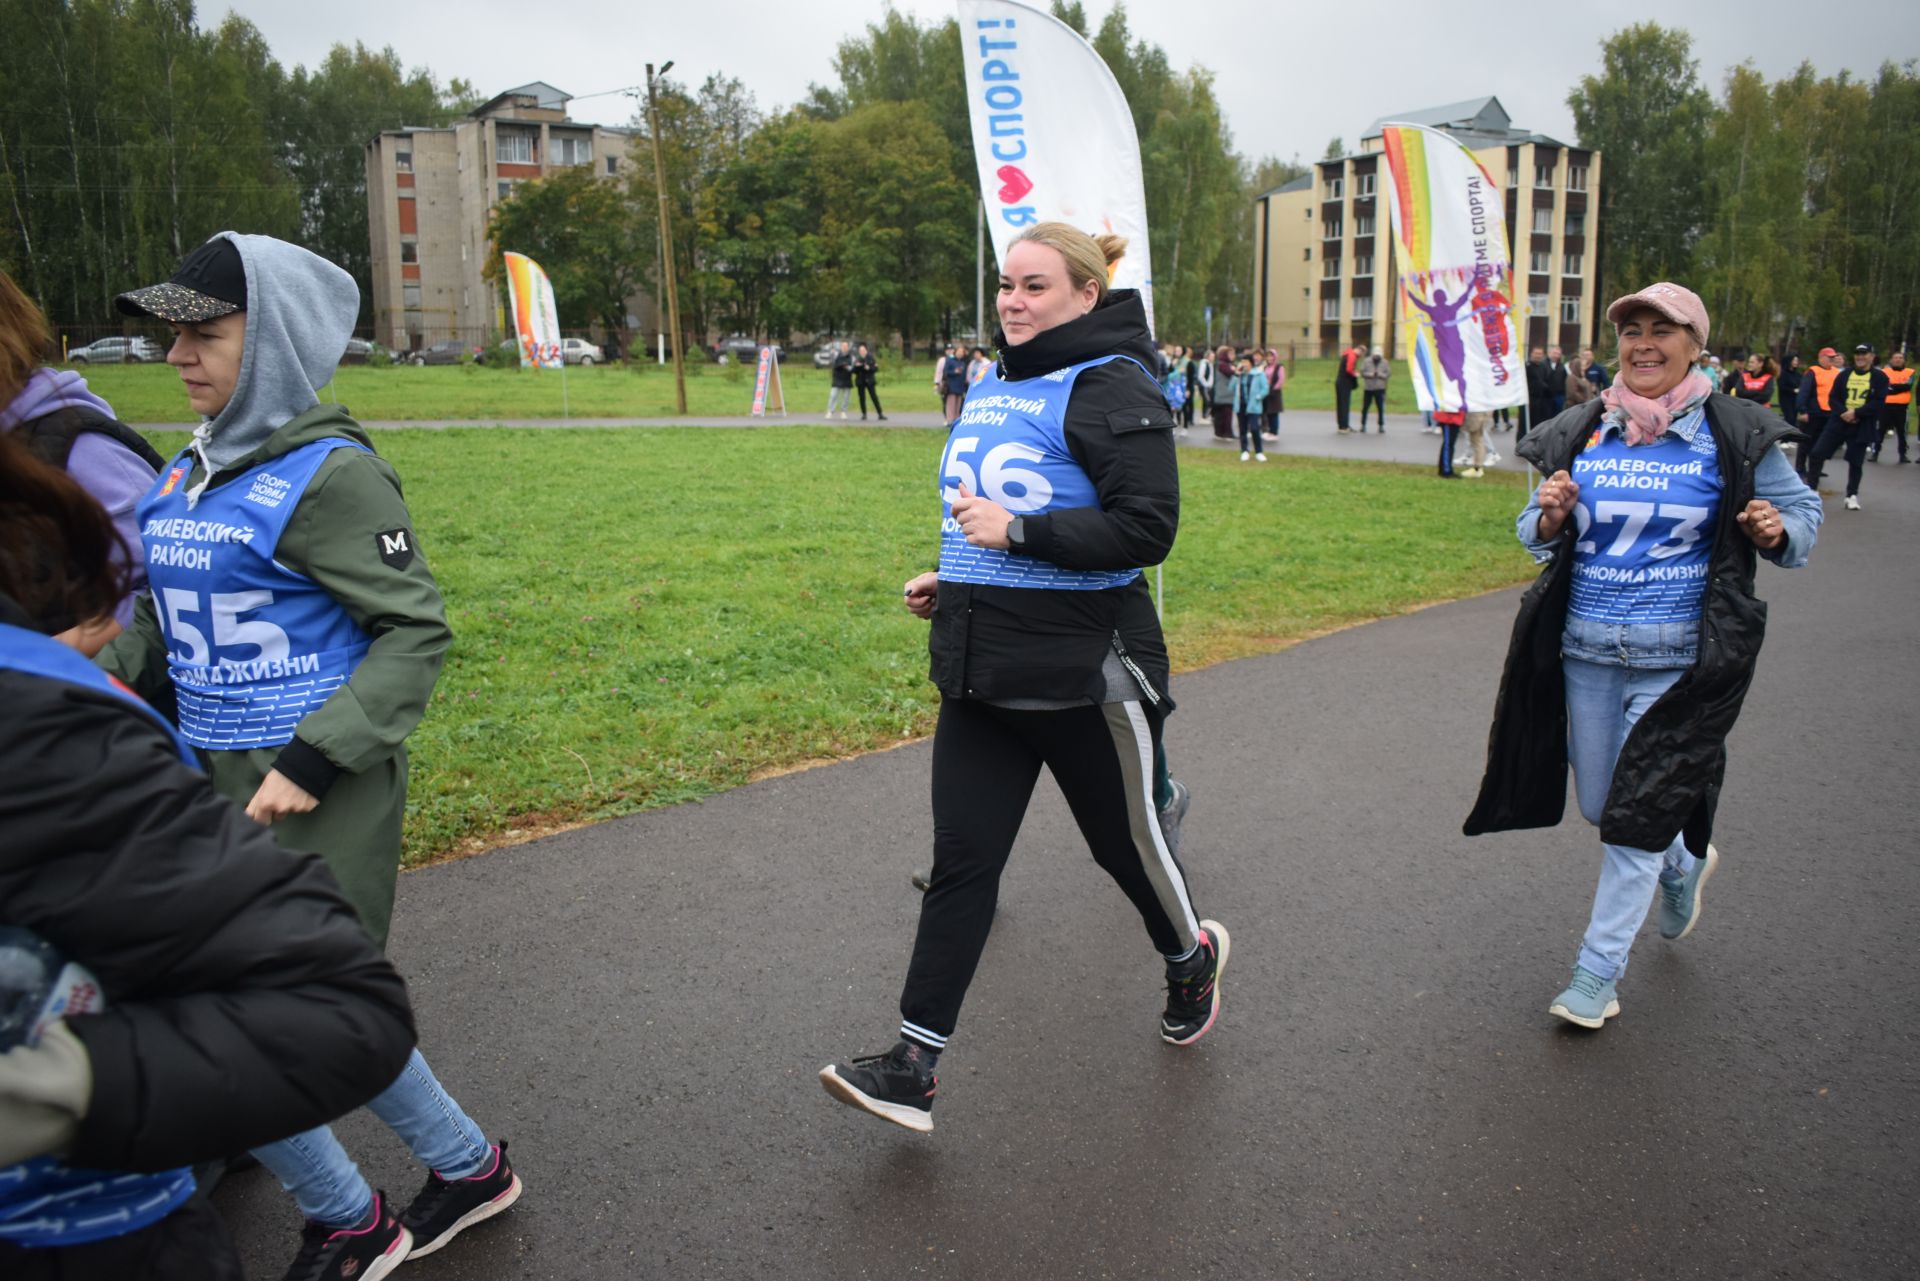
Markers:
117,351
578,351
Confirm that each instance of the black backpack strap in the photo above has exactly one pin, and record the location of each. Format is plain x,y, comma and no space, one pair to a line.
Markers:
51,436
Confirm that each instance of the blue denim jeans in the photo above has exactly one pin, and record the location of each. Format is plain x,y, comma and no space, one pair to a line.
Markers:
326,1183
1604,701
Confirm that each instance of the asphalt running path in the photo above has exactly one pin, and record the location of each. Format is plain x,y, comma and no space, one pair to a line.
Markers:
641,1007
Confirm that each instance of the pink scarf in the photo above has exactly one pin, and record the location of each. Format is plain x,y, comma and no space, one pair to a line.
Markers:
1647,420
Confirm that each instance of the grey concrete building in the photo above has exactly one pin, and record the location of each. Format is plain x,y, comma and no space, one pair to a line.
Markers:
431,193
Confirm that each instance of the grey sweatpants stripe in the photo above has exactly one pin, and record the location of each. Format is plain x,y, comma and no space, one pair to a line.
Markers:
1133,743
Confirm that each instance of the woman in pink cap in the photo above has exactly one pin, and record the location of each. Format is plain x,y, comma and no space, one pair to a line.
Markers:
1633,650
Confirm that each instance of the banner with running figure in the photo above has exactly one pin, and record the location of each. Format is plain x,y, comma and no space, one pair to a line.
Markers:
536,321
1456,281
1053,136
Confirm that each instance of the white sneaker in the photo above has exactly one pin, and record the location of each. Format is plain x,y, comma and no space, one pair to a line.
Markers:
1259,458
1244,455
1853,504
1493,456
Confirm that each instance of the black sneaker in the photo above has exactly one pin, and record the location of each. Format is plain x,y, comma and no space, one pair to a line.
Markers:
897,1086
447,1207
1171,816
366,1251
1193,1002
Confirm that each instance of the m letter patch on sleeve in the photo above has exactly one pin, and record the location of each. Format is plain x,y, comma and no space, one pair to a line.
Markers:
396,547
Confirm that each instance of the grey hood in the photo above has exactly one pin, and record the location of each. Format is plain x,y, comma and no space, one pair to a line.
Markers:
300,312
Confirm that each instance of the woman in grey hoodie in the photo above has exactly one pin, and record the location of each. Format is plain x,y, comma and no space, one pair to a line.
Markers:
1375,370
297,642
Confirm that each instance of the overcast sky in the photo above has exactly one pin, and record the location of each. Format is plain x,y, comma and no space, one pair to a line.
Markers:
1289,80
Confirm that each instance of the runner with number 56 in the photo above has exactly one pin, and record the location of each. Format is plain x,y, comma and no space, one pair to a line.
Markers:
1058,483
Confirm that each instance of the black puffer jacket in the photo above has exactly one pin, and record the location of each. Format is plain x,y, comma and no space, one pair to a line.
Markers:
244,1000
1018,642
1668,776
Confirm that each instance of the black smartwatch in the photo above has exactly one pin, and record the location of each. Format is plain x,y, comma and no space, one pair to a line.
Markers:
1017,534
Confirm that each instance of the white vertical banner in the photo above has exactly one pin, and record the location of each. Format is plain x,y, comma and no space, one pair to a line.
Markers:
1052,135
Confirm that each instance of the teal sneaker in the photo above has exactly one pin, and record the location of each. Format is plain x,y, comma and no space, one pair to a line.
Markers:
1680,900
1588,1000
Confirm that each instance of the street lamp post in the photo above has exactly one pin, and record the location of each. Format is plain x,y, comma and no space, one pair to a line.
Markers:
666,240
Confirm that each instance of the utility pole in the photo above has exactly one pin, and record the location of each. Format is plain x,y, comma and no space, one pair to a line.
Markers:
666,240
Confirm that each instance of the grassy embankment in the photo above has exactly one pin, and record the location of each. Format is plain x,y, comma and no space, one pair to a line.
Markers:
649,616
469,393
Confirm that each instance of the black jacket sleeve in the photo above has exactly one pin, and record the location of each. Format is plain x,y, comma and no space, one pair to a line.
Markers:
1121,432
244,1001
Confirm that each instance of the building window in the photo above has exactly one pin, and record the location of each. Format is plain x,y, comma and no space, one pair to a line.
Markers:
1332,228
513,148
1543,222
1572,265
463,251
613,164
1576,224
1513,175
1363,184
1306,293
1543,175
1570,311
409,251
1363,264
1330,269
1363,224
466,297
1537,304
1306,255
403,162
1329,309
1540,262
505,190
410,297
1335,188
573,151
1307,214
1576,177
1363,307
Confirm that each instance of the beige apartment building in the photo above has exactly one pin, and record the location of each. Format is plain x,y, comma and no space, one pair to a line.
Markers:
431,193
1324,265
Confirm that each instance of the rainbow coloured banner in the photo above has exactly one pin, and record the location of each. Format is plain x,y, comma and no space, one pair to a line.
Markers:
536,322
1456,281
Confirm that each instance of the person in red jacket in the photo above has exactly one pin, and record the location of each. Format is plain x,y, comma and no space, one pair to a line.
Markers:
1344,381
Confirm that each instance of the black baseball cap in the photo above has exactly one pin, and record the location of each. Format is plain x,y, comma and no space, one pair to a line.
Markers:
1865,346
211,282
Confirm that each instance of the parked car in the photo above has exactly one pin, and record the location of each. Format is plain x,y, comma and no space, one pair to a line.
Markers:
358,351
118,351
578,351
823,357
450,352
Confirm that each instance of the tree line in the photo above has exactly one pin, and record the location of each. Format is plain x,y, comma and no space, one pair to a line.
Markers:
129,135
1791,206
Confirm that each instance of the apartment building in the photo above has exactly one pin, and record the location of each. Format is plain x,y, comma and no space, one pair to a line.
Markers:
1325,275
431,193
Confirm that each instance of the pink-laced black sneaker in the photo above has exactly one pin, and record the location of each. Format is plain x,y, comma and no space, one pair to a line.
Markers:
1193,991
366,1251
447,1207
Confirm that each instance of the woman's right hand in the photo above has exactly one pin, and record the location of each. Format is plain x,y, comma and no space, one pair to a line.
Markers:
1556,498
920,593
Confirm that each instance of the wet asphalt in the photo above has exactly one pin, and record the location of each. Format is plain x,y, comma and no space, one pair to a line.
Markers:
641,1007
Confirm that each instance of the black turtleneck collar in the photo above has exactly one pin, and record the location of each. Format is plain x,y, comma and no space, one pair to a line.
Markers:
1117,326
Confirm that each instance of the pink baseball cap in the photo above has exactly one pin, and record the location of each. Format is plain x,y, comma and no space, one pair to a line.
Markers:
1676,302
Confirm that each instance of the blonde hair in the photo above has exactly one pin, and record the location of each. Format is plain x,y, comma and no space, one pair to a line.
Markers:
1087,257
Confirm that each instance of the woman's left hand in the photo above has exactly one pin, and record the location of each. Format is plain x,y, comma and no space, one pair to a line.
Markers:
982,520
1761,523
278,797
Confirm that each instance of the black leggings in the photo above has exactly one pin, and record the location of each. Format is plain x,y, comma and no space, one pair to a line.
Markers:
866,390
986,761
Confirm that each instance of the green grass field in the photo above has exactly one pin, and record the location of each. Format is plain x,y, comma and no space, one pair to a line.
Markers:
652,615
470,393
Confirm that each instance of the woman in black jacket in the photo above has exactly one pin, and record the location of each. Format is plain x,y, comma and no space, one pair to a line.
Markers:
243,1001
1059,483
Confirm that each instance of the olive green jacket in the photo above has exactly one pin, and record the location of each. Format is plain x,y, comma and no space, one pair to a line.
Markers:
350,751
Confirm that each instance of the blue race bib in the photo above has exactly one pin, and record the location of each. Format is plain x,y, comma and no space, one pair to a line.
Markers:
1646,518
